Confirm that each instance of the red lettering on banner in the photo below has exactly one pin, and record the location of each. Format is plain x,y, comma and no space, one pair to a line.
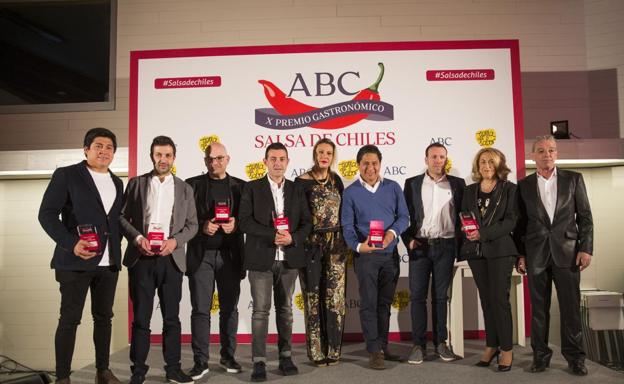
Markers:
342,139
187,82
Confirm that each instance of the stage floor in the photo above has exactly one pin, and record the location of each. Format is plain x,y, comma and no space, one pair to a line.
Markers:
354,368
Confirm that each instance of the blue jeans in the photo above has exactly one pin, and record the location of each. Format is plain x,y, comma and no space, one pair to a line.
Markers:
436,261
280,281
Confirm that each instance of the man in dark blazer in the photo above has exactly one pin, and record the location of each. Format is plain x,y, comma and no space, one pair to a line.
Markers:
274,216
87,193
157,197
555,234
432,240
215,255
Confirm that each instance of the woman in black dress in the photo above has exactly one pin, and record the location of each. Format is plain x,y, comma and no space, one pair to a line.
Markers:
323,281
492,201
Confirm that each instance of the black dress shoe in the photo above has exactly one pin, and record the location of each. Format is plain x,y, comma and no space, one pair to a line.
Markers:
539,366
287,367
259,372
506,368
578,368
482,363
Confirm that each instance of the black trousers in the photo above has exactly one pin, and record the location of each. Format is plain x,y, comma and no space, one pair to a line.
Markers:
493,278
567,282
216,266
377,275
73,287
435,262
151,275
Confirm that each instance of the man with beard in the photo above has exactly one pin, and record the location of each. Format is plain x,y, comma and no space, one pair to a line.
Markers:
158,218
214,255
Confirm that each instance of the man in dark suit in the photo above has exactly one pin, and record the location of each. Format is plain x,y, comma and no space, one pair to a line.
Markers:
215,255
86,194
274,216
556,235
432,240
158,219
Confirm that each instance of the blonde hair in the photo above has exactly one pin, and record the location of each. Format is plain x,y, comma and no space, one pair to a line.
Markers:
327,141
500,164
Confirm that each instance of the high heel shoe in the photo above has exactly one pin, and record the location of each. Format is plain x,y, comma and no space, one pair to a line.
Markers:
482,363
506,368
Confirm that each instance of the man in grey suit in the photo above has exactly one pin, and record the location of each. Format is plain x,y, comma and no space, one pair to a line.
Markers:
158,218
556,234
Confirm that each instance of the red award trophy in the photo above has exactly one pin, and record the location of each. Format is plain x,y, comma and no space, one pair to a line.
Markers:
155,236
280,222
88,233
222,211
376,233
468,222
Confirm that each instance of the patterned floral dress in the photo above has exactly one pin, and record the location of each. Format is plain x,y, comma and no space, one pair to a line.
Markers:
324,289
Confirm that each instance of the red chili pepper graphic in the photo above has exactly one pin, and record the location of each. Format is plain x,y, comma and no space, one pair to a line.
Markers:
289,106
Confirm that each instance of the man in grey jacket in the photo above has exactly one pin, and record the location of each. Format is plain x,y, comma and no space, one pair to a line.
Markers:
158,218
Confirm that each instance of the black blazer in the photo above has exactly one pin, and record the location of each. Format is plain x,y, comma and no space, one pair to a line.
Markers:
183,225
72,194
496,238
256,221
413,197
571,231
198,244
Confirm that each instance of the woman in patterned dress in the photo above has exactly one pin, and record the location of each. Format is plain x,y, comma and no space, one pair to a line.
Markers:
323,281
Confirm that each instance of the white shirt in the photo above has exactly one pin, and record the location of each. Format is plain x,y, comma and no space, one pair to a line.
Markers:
106,188
548,193
160,197
278,199
438,207
370,188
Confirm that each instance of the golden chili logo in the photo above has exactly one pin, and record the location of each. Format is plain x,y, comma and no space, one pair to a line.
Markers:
486,137
205,141
299,301
215,303
348,169
255,171
401,299
449,165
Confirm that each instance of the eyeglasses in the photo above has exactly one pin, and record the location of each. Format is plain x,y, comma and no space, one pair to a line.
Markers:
219,159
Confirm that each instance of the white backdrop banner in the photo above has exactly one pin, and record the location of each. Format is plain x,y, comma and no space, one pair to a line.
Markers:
399,96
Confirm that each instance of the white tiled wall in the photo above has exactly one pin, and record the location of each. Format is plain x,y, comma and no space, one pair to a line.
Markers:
552,37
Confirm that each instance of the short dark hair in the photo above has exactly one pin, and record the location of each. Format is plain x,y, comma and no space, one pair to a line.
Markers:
275,147
434,145
368,149
99,132
162,140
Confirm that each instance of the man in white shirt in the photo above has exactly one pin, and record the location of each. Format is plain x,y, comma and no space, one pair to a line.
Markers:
87,196
275,217
432,240
556,234
158,219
